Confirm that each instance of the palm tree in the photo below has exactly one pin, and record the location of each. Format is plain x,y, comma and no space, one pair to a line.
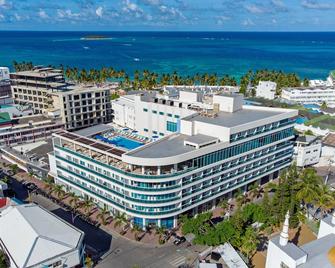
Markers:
58,190
49,184
161,232
87,205
103,215
14,168
256,191
74,199
120,219
136,230
325,200
31,174
307,186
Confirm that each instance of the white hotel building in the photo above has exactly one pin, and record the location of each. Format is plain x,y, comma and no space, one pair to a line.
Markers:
310,95
194,154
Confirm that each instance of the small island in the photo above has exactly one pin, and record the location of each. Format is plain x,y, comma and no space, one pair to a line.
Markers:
94,37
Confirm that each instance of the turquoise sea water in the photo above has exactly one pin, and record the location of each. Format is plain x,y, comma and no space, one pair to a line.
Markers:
308,54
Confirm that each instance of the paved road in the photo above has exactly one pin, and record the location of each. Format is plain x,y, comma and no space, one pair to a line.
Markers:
117,252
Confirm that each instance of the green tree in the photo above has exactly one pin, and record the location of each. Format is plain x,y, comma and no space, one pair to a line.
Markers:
137,230
103,215
3,260
120,219
14,168
250,242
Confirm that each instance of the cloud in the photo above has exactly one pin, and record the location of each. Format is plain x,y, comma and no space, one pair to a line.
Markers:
248,22
2,17
312,4
67,14
279,5
170,12
254,9
151,2
220,20
99,11
42,14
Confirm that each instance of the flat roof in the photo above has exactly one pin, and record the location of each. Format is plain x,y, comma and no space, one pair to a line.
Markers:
90,131
200,139
317,252
329,140
237,118
4,118
290,249
40,73
170,146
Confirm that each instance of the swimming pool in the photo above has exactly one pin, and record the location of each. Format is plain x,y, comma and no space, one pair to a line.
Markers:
120,141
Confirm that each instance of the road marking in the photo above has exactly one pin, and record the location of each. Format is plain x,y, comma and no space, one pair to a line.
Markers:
177,260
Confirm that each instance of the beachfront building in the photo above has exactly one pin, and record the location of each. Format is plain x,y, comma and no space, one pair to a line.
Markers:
266,90
83,106
307,150
31,236
310,95
5,89
46,91
37,87
282,253
206,151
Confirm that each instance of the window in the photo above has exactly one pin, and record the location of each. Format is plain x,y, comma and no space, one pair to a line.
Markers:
145,130
145,109
169,115
161,113
155,132
161,134
171,126
176,116
154,111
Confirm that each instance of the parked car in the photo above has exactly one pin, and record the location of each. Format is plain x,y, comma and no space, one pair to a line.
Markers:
179,240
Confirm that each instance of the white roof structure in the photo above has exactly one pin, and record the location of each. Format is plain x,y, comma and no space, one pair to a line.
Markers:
230,256
32,235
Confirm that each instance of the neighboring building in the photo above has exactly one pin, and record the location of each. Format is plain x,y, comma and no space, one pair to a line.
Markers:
307,150
4,73
46,91
37,87
209,150
26,129
84,106
328,147
172,90
319,83
266,90
30,157
5,89
310,95
331,78
318,253
31,236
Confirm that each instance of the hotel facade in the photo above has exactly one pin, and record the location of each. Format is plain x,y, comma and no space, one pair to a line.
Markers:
178,158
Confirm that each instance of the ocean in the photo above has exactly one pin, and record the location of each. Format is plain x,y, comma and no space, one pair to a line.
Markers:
309,55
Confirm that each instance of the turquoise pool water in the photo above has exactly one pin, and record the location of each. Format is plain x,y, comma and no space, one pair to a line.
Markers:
121,142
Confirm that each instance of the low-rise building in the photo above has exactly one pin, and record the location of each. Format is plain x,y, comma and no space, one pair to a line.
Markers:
318,253
328,147
266,90
30,157
307,150
31,236
26,129
310,95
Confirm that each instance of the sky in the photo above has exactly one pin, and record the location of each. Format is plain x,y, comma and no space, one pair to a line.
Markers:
168,15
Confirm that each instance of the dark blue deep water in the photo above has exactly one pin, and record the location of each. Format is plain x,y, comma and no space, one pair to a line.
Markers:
308,54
